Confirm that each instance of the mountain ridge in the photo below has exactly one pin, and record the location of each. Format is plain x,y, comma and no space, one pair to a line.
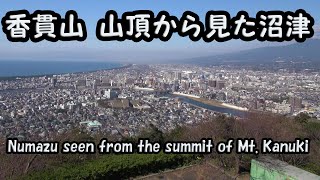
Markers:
309,51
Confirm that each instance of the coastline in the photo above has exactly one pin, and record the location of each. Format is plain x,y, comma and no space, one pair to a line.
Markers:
121,66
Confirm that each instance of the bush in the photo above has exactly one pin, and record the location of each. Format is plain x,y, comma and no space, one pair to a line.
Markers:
115,166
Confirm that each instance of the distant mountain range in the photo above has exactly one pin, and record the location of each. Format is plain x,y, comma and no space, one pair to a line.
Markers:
309,51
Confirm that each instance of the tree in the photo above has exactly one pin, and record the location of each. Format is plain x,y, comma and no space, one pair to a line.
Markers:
153,133
302,118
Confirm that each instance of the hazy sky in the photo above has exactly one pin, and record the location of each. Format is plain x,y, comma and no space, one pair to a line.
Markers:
176,48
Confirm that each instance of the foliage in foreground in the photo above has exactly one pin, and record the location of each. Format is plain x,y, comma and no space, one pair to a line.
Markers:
96,166
115,167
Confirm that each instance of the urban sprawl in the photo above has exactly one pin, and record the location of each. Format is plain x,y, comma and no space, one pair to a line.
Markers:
122,102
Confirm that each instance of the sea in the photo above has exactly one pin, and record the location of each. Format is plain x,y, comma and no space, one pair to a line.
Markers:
36,68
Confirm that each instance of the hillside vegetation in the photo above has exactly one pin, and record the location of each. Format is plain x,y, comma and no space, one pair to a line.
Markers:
98,166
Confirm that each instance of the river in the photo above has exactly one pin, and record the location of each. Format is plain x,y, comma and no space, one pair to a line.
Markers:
229,111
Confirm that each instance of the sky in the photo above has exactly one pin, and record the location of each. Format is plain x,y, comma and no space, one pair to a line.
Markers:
176,48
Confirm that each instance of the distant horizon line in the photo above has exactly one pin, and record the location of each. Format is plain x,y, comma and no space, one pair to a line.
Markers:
126,60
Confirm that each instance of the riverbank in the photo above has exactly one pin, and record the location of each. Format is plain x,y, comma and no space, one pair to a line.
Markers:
209,105
208,102
234,107
217,103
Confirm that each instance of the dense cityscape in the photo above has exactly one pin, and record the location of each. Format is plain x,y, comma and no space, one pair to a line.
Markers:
122,102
